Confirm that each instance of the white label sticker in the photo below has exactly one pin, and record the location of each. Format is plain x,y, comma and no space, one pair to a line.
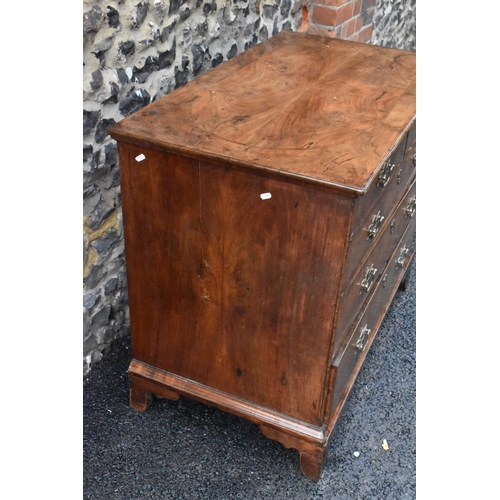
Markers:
140,157
265,196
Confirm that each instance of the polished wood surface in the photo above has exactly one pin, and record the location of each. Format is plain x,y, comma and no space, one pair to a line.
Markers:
297,105
247,200
213,267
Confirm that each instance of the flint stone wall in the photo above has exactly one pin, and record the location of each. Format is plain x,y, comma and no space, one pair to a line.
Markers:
394,24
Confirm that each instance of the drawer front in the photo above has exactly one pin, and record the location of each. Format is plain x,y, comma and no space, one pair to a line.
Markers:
366,202
377,216
347,362
358,290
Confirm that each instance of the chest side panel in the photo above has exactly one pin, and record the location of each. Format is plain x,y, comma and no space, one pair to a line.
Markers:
233,277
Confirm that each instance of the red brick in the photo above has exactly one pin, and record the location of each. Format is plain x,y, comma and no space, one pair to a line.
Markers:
348,28
359,23
331,16
356,7
330,3
365,34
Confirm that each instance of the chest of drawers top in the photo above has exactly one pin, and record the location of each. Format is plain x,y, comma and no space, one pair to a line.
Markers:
316,109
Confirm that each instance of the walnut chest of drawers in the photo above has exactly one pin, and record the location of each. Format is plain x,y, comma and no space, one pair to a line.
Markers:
269,219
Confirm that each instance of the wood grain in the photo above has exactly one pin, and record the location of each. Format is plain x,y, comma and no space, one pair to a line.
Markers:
333,113
214,268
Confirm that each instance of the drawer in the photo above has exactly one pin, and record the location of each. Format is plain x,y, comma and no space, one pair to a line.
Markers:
348,360
358,290
371,224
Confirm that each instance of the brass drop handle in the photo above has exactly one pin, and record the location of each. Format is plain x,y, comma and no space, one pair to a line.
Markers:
363,338
402,256
369,278
384,280
410,209
375,225
385,173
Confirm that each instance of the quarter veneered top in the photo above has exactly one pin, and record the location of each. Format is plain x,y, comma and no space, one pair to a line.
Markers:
311,107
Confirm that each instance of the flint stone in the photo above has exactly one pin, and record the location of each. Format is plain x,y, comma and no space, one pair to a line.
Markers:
165,59
90,119
218,59
89,345
113,17
94,176
208,8
134,101
111,286
87,152
200,54
268,11
119,319
94,164
184,14
111,154
92,21
367,16
97,79
202,28
122,76
104,335
104,45
232,51
140,75
90,299
101,211
106,243
101,318
86,324
113,94
102,129
139,14
167,30
127,48
263,33
285,7
175,5
181,77
96,274
251,42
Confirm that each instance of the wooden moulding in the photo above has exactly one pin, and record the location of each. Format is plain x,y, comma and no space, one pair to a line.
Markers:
311,442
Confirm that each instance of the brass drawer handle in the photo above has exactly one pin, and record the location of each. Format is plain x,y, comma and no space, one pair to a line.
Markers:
385,173
375,225
363,338
369,278
410,209
414,164
402,256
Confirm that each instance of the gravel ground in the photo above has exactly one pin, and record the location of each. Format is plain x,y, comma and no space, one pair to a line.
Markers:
186,450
